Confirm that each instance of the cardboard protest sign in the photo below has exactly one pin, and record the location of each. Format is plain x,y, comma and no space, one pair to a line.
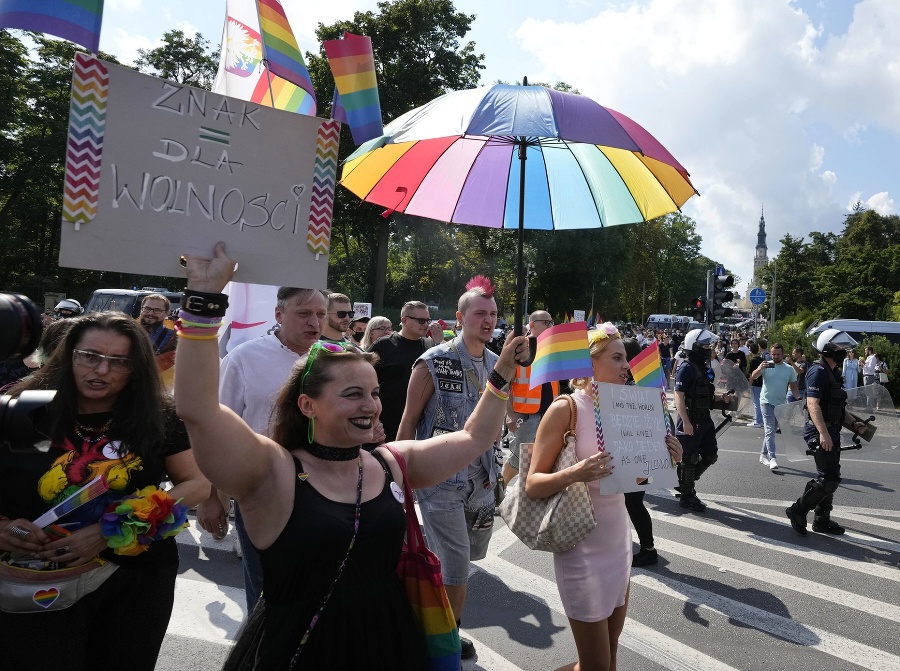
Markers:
156,169
362,310
631,425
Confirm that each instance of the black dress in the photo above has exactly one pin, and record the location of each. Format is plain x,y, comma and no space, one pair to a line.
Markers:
367,622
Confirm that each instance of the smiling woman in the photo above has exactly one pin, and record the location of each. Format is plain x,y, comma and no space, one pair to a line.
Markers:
327,517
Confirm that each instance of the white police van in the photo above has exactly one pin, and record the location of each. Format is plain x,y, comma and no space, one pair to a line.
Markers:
858,329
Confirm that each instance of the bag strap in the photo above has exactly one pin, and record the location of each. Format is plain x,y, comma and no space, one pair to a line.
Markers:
415,540
573,418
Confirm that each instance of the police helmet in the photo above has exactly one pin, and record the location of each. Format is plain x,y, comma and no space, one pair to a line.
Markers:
698,340
834,340
68,307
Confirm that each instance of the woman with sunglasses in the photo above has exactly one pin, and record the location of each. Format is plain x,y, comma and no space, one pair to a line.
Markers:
593,577
327,517
110,417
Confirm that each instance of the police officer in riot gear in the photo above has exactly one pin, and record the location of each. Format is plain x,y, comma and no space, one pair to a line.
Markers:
68,308
694,428
825,405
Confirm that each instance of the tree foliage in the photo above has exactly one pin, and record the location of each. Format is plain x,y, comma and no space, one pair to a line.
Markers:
186,60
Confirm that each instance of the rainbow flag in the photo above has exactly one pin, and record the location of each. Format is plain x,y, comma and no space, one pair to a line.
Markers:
356,86
75,20
646,368
241,71
280,48
562,353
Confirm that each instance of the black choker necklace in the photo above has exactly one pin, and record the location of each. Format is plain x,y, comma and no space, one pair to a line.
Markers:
332,453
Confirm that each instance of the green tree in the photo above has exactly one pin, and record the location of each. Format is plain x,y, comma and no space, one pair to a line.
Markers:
182,59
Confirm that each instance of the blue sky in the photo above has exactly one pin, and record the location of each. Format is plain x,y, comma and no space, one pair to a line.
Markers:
790,105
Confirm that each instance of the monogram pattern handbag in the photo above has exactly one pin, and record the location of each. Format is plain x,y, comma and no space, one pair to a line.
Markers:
556,523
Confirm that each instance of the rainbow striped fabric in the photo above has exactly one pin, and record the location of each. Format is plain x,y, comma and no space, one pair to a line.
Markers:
356,86
646,368
75,20
562,353
280,47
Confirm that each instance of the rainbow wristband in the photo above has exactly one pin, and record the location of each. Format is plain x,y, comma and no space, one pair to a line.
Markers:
184,315
491,387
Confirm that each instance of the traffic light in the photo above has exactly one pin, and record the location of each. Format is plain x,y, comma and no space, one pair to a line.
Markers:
699,309
720,295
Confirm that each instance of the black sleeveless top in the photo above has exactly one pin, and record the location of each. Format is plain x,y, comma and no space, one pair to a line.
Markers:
367,622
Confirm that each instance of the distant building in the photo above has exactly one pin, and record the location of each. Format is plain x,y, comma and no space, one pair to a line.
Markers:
762,256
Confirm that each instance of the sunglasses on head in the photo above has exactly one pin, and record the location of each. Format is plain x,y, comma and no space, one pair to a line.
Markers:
318,346
343,314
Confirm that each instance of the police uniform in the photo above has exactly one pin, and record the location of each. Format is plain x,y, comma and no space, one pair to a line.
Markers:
701,450
825,384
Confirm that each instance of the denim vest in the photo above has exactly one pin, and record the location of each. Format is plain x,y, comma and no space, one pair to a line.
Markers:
454,399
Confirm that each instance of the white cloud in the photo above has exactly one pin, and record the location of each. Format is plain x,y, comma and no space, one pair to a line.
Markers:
816,157
745,94
882,203
124,6
126,45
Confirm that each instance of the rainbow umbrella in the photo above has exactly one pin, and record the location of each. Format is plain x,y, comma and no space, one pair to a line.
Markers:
524,157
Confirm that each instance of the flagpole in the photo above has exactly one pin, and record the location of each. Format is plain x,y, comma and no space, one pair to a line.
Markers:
265,58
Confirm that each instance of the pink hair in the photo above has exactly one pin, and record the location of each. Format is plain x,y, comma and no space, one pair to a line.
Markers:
481,285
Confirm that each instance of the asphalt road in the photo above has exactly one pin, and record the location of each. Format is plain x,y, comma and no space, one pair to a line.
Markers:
735,588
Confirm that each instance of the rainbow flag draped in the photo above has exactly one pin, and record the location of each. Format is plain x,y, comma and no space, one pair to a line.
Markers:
356,86
646,368
241,72
562,353
75,20
280,48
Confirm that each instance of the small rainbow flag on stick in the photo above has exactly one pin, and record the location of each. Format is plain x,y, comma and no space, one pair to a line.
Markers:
646,368
75,20
88,492
356,86
562,353
280,47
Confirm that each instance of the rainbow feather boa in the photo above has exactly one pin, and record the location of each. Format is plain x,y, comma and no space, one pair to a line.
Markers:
131,524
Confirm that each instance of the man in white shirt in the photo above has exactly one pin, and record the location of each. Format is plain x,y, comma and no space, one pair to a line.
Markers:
870,367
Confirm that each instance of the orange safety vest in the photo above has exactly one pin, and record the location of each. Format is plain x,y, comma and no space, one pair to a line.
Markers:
527,401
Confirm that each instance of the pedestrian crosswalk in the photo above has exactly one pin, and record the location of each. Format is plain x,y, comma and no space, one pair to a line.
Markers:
735,590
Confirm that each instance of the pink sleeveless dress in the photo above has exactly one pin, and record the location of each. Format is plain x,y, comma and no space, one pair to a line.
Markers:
593,576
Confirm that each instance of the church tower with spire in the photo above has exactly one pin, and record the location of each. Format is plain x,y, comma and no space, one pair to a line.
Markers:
762,257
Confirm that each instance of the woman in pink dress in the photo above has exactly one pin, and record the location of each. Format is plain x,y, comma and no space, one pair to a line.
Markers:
593,577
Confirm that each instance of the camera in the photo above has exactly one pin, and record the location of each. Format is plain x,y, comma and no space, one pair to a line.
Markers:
20,326
20,333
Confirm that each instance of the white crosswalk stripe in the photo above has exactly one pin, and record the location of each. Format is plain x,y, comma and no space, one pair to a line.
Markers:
813,616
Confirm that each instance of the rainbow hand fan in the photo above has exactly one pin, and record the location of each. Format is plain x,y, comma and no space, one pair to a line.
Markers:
88,492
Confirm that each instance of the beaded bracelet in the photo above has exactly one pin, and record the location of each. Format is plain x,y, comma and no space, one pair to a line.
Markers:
496,392
497,380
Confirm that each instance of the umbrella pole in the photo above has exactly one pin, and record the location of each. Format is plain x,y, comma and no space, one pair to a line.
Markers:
520,267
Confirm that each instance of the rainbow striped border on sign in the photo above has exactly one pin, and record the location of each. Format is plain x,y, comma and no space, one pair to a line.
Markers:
84,149
321,205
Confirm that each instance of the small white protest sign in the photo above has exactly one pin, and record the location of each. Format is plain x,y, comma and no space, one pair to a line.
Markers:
361,310
634,431
577,315
157,169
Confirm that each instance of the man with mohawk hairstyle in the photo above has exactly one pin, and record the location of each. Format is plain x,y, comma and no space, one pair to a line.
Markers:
444,388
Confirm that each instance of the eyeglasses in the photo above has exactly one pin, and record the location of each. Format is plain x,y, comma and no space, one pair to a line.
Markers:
548,322
318,346
81,357
343,314
421,320
156,311
383,328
